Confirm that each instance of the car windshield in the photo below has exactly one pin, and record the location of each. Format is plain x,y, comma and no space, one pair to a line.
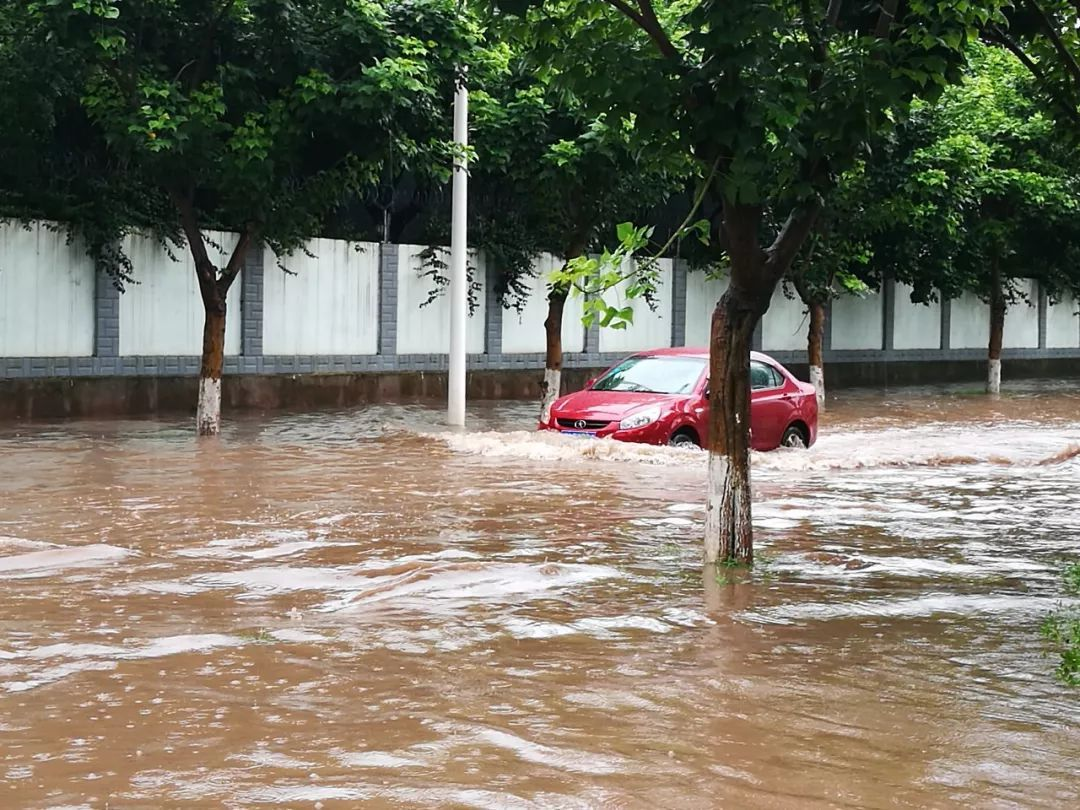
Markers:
654,375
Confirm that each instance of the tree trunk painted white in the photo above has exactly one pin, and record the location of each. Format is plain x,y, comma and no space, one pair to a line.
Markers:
550,392
208,414
993,377
817,379
725,500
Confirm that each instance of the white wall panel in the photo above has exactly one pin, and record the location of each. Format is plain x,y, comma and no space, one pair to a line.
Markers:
857,322
702,293
1022,320
785,325
163,312
915,326
970,323
426,330
1063,324
46,294
650,329
329,306
523,332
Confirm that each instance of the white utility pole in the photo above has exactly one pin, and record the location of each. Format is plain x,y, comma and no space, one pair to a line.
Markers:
459,282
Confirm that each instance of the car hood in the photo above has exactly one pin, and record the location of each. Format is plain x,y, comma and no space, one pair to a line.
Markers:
608,405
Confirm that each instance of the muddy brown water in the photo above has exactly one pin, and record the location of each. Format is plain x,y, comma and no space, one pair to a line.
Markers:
363,609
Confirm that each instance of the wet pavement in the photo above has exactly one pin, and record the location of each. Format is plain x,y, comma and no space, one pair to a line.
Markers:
364,609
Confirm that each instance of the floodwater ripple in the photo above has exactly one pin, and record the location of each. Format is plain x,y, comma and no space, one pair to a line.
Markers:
366,608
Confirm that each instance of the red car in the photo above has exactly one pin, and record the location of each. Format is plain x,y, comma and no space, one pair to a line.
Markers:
661,397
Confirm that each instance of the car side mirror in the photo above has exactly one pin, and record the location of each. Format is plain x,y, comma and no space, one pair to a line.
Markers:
589,382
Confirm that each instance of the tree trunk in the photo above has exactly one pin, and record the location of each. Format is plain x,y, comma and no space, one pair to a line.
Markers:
552,384
755,272
214,290
815,338
728,528
208,413
997,328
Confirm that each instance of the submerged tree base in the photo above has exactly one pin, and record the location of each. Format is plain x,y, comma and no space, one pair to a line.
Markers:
208,415
731,571
993,377
549,392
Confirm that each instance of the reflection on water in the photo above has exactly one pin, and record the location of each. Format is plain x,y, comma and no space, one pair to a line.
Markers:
366,609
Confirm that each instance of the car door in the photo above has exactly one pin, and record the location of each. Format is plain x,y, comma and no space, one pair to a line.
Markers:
769,408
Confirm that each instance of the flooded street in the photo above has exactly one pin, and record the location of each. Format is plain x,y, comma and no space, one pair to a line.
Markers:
365,609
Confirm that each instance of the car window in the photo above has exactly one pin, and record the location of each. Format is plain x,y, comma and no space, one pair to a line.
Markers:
764,376
657,375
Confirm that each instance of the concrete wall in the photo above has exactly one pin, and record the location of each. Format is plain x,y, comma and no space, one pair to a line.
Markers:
651,328
702,293
1022,319
785,325
46,294
162,314
858,322
425,329
1063,324
356,308
327,302
915,326
523,332
970,323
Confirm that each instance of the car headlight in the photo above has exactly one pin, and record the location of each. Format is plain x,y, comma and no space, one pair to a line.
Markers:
640,419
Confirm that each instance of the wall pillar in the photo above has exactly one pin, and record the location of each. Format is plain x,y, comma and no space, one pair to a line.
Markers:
946,321
678,302
388,298
493,312
1044,310
826,338
592,338
888,314
106,316
251,302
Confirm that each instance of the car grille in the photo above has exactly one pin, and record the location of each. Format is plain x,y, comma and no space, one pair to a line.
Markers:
584,424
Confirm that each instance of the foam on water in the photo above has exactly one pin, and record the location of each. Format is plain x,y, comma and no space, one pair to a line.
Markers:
47,562
550,446
920,446
471,581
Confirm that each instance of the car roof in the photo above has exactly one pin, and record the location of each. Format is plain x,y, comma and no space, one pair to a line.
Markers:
690,351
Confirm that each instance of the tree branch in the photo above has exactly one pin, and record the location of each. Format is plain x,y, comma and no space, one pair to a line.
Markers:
741,222
789,241
832,16
1051,32
236,260
1066,104
190,225
886,18
197,74
645,18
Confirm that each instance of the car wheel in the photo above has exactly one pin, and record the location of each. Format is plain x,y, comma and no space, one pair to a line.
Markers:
794,437
683,439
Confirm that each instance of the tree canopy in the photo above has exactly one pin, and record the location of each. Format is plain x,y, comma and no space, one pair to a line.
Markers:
981,177
251,115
